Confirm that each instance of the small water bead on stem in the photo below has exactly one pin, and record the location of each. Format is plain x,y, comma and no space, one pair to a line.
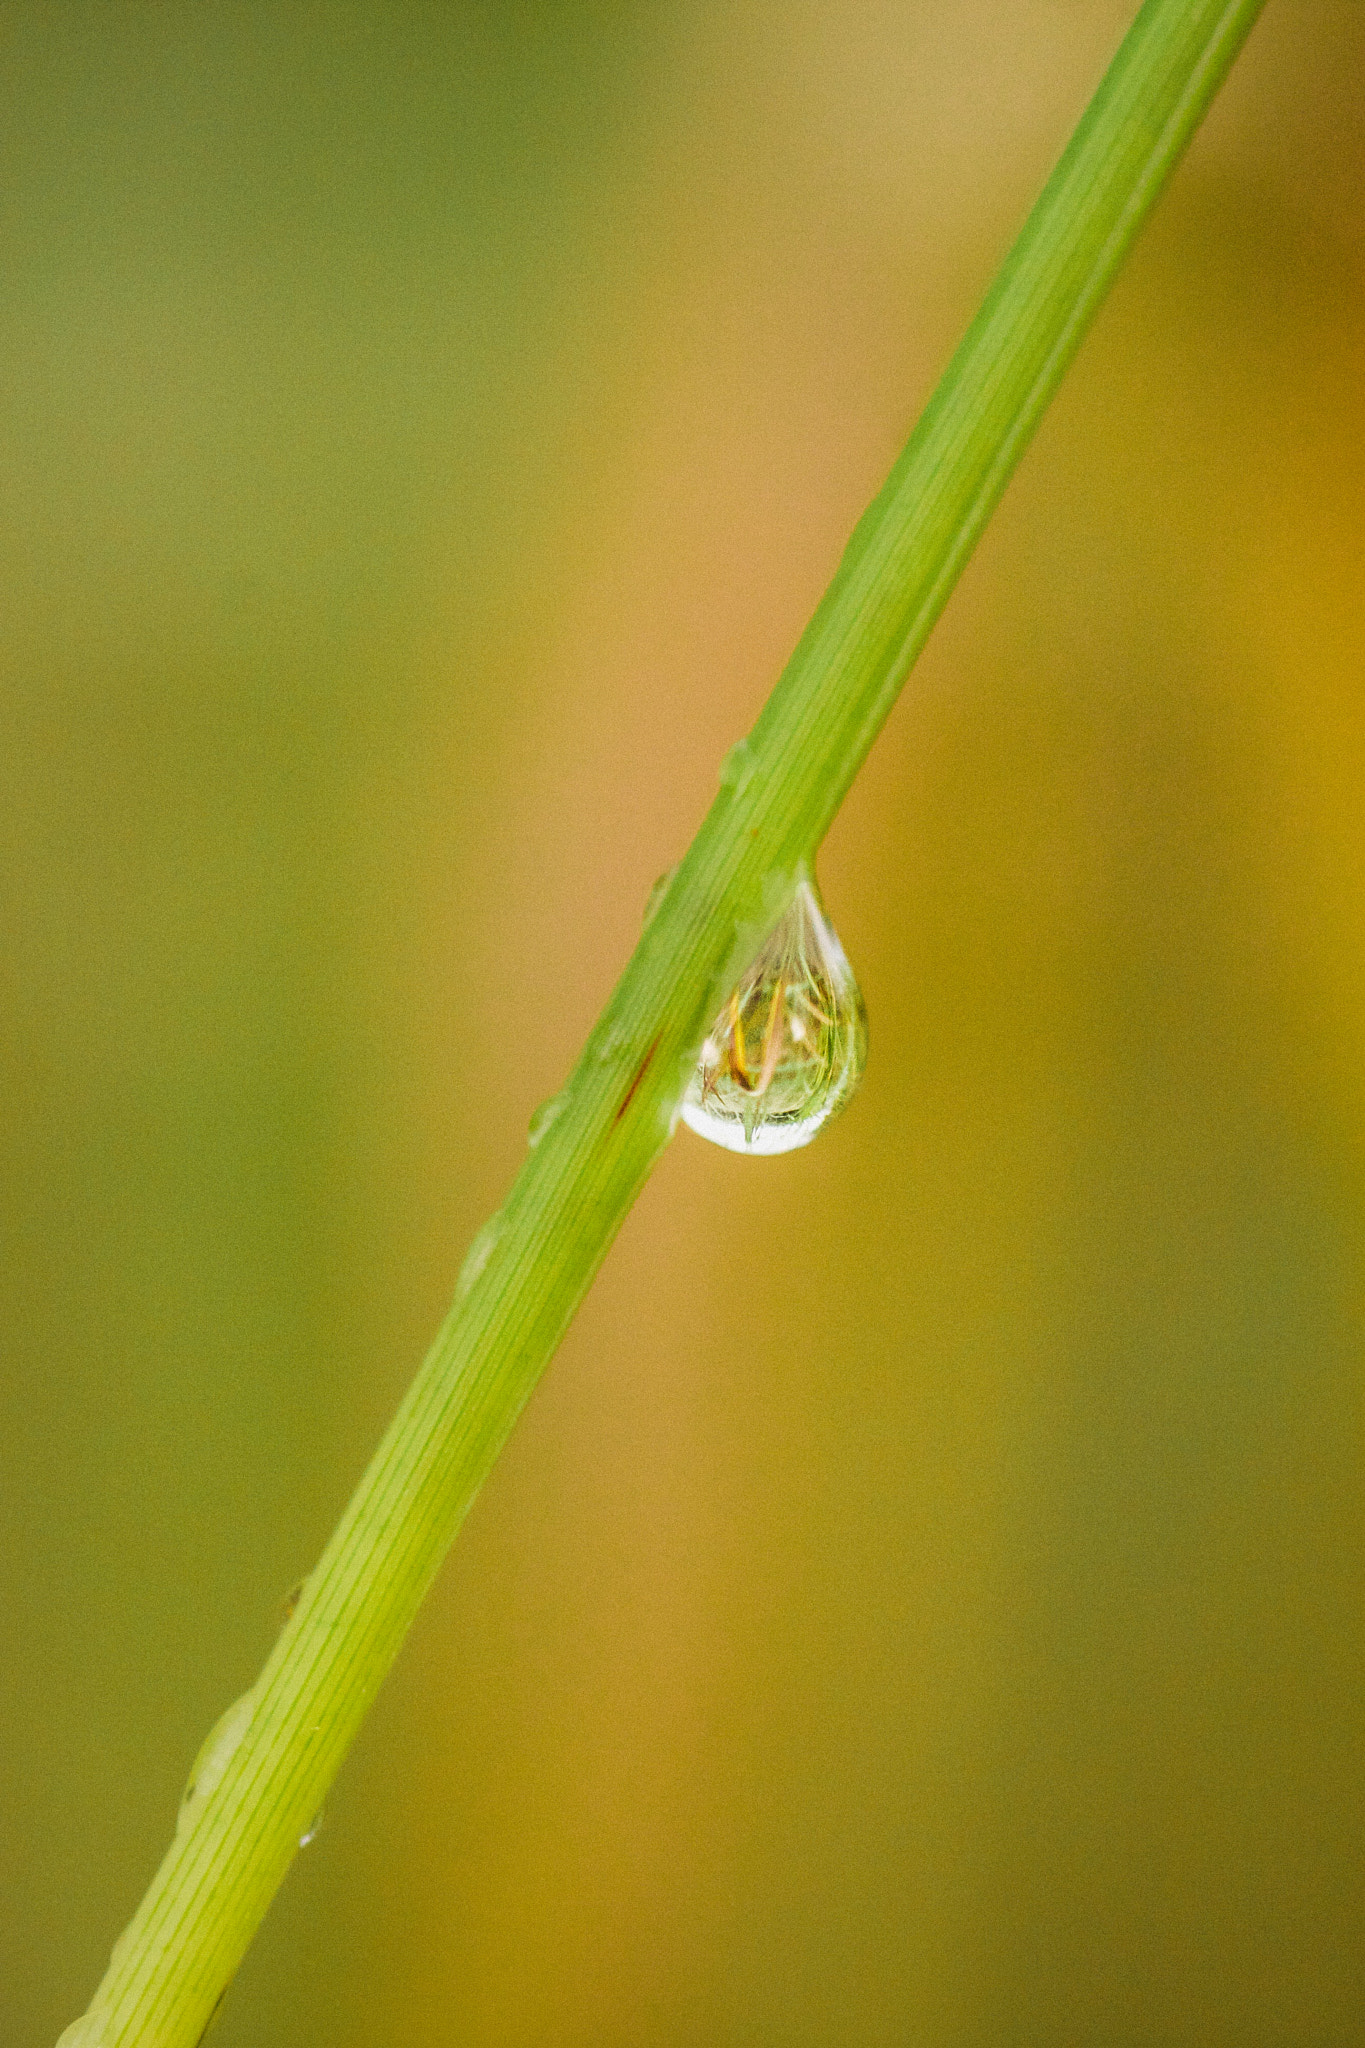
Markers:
545,1114
480,1252
86,2032
216,1752
786,1052
657,893
737,769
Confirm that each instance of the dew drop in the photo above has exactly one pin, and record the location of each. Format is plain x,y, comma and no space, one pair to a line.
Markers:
314,1828
736,770
656,895
479,1253
215,1754
86,2032
611,1045
787,1049
543,1116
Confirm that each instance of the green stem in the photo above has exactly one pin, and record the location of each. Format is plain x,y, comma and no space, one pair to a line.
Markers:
531,1266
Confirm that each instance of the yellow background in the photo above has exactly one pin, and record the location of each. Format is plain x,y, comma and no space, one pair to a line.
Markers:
923,1604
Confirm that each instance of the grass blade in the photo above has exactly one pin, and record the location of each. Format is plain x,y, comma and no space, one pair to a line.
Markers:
530,1266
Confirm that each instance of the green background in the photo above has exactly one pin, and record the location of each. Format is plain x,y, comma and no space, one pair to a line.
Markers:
923,1604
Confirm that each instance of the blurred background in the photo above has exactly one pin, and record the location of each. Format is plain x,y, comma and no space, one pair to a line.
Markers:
923,1603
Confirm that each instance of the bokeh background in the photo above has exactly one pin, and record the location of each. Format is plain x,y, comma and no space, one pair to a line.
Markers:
923,1603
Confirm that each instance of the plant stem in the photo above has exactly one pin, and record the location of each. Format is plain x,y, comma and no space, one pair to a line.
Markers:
530,1267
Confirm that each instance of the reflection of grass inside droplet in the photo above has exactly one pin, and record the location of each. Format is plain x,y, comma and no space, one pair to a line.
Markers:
786,1051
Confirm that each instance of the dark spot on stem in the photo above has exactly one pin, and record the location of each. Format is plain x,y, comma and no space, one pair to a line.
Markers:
217,2008
640,1073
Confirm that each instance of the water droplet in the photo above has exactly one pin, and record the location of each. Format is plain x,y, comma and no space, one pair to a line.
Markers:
86,2032
611,1045
656,894
215,1755
544,1116
479,1253
310,1833
786,1051
736,770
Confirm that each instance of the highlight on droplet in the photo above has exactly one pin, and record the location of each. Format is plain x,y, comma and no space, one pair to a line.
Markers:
786,1052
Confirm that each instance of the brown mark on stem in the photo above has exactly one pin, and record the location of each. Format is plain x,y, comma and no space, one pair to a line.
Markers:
640,1073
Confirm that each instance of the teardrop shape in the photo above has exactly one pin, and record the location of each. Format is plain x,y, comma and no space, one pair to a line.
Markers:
787,1050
